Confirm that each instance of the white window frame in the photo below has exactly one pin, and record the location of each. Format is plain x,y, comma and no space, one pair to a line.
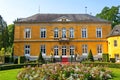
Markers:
64,50
99,31
84,49
99,49
56,33
56,50
44,33
27,50
27,33
72,50
71,33
64,33
84,32
43,49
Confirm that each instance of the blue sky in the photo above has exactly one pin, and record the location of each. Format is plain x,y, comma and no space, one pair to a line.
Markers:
13,9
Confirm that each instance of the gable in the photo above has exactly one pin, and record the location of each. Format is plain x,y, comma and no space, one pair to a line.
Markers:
63,19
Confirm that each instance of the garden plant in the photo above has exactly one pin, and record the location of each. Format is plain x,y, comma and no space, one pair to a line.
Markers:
56,71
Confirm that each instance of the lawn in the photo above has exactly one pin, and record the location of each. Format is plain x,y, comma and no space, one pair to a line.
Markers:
11,74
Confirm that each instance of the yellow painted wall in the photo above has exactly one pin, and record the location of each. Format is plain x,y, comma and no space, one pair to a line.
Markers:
112,50
35,41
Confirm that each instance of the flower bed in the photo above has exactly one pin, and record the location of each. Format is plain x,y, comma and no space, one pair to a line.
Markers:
74,71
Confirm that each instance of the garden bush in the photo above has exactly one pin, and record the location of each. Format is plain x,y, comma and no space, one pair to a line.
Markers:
75,71
111,65
112,60
105,57
14,66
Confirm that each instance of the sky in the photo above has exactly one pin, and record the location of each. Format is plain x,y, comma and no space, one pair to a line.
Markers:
10,10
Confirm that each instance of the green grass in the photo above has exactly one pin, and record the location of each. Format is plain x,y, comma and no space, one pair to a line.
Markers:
116,73
9,74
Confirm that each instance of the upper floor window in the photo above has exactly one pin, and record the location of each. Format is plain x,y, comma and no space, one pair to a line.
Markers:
63,50
56,33
63,33
72,50
99,33
43,49
27,33
84,33
55,50
27,50
84,49
43,33
99,49
71,33
115,43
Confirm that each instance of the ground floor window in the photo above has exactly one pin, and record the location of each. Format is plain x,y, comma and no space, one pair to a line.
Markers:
27,49
63,50
55,50
84,49
71,50
116,57
43,49
99,49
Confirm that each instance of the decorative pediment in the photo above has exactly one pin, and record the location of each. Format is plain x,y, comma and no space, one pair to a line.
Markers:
63,19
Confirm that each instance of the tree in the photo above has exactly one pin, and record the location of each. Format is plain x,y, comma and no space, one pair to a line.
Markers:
90,56
40,58
111,14
11,33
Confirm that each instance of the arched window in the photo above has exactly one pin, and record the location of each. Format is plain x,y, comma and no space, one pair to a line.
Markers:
63,33
71,33
56,33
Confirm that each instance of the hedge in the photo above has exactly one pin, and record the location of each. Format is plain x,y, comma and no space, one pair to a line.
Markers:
14,66
111,65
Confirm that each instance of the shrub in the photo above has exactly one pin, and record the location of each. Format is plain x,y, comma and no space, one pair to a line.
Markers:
112,60
75,71
105,57
90,56
40,58
14,66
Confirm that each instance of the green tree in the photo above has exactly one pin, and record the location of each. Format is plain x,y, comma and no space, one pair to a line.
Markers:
11,34
40,58
111,14
90,56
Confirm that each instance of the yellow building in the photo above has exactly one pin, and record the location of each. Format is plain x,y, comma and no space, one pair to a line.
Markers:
61,35
114,43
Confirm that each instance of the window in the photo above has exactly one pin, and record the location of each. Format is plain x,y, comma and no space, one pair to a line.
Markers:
55,50
42,48
84,49
84,33
43,32
72,50
115,43
63,50
27,33
71,33
27,49
56,33
99,49
63,33
99,33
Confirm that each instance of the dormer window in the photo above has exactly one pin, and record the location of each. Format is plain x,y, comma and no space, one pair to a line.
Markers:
63,18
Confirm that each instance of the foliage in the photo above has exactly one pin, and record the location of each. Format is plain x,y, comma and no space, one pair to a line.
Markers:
111,65
111,14
90,56
112,60
73,71
14,66
105,57
40,58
